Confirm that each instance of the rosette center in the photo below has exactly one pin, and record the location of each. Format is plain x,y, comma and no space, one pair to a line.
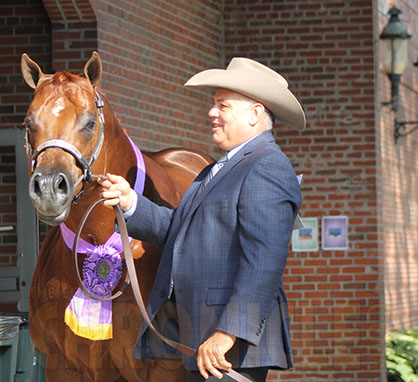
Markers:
103,270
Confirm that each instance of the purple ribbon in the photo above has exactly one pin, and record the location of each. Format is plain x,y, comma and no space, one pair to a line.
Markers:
102,270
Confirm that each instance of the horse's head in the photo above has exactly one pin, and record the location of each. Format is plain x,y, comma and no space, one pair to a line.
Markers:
64,135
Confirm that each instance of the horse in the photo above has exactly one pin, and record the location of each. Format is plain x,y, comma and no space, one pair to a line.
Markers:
73,135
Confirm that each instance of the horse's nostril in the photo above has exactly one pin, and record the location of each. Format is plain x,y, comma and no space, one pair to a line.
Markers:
36,187
61,184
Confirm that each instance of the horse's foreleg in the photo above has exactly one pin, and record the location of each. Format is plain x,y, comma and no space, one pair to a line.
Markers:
60,369
81,363
167,371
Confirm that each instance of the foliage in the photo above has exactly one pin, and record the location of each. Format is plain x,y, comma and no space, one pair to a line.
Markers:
402,356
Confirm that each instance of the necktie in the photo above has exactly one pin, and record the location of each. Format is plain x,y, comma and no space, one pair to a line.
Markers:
214,170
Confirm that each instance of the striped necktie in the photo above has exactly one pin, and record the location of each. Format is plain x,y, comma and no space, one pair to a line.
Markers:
213,171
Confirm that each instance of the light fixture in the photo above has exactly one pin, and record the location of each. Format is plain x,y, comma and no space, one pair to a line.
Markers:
395,58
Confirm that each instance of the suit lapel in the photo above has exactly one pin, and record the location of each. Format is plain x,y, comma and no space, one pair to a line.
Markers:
262,139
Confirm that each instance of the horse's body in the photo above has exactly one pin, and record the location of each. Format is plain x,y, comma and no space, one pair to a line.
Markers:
63,108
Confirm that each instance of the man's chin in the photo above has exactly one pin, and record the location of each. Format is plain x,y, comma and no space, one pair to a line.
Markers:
219,142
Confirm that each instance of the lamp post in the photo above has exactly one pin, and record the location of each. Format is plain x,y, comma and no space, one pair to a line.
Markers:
395,58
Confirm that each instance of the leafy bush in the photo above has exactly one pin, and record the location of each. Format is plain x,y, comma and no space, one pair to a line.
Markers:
402,356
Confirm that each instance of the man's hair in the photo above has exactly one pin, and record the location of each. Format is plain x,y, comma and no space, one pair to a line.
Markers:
268,116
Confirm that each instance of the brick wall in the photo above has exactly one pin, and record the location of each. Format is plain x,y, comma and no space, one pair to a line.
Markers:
325,50
399,186
24,27
74,33
150,49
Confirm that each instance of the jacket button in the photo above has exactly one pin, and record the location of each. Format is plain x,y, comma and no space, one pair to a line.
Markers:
162,294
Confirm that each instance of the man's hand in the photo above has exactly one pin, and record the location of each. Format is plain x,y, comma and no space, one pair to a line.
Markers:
211,354
117,190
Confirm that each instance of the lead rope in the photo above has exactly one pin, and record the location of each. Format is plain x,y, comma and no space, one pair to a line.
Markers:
132,278
129,260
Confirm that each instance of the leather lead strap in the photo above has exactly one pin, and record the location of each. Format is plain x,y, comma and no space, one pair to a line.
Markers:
140,302
133,278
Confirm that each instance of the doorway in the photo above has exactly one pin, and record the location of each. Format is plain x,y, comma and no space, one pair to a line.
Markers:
19,233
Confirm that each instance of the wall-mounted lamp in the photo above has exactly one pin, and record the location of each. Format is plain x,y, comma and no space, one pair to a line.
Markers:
395,58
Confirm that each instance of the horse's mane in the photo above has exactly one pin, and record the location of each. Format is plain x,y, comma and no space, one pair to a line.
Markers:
66,81
66,77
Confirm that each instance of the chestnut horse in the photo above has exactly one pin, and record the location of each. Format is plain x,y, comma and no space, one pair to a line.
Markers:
64,127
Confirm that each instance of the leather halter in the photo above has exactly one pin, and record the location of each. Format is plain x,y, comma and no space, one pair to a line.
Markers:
82,162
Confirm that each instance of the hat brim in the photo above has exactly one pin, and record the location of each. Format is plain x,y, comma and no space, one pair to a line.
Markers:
271,93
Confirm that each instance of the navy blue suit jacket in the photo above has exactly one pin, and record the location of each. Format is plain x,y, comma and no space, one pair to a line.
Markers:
225,249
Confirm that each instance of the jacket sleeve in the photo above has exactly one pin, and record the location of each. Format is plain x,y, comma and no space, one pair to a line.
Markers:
150,222
268,204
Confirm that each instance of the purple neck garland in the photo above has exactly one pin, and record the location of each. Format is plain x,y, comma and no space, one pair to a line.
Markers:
102,270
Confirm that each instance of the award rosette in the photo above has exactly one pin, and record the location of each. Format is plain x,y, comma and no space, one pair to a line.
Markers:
102,270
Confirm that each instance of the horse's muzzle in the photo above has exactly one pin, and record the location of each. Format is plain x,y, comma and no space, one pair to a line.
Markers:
51,194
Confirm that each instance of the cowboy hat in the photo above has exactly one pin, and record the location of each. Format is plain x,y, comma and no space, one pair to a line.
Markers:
258,82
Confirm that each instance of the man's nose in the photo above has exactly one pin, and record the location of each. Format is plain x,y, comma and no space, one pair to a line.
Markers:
213,112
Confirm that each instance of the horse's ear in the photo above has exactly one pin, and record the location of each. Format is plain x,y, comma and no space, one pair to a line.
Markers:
31,71
93,69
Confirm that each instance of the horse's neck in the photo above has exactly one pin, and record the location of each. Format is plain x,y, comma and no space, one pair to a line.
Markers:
116,157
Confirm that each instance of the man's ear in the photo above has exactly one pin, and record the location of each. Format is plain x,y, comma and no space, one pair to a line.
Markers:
257,111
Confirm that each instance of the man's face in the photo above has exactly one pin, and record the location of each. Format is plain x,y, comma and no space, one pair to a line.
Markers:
231,115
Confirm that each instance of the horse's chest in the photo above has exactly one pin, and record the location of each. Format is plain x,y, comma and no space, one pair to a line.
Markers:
53,282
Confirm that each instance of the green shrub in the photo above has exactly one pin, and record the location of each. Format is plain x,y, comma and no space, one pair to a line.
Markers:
402,356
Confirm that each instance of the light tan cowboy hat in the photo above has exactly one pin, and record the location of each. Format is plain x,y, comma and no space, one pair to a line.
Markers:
258,82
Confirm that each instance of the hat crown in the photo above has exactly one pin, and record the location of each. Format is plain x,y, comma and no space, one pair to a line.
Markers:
246,64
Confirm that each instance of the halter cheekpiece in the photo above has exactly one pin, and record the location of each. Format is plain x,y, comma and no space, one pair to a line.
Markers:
82,162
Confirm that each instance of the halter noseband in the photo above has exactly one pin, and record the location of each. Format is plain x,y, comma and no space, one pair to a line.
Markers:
82,162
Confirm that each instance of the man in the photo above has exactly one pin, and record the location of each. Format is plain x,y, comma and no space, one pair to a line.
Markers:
226,245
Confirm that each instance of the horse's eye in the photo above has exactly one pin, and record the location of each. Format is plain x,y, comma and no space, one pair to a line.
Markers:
28,125
90,125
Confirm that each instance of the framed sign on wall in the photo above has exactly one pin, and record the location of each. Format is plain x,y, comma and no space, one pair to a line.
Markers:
334,232
306,239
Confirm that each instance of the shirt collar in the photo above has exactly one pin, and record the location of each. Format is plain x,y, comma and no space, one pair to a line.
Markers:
232,152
